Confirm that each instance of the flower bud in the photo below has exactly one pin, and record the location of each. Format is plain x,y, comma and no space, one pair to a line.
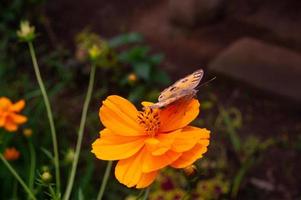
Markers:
190,170
26,32
132,78
27,132
46,177
69,156
94,52
45,168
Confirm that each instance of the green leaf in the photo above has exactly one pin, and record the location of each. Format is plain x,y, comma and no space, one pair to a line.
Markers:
85,180
125,39
240,176
80,194
136,94
53,194
135,54
47,153
156,59
224,120
143,70
161,78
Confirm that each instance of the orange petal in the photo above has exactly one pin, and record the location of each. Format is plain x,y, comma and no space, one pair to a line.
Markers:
123,106
146,179
151,144
189,157
4,102
188,138
119,115
115,147
18,106
146,103
3,119
129,171
18,119
151,163
161,143
10,126
178,115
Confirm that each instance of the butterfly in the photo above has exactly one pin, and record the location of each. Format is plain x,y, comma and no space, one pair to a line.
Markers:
183,88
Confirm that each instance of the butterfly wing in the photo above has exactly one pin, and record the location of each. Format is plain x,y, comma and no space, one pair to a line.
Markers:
184,95
187,83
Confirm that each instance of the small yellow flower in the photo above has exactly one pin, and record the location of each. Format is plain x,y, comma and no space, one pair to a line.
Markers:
94,52
46,177
26,32
132,78
11,154
27,132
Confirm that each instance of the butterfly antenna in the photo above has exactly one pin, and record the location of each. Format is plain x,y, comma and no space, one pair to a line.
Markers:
206,83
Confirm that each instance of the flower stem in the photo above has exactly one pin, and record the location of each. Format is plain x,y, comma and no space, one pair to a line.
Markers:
146,194
32,164
16,175
49,114
104,181
80,133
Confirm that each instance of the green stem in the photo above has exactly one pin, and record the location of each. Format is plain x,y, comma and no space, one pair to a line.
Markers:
230,129
16,175
146,193
104,181
32,164
49,114
80,133
240,176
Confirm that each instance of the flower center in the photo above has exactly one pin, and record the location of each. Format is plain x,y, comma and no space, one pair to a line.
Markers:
150,120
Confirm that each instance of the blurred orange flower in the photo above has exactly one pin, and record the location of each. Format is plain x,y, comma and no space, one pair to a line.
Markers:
11,154
147,141
9,117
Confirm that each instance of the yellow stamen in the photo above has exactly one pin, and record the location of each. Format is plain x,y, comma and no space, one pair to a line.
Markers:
150,120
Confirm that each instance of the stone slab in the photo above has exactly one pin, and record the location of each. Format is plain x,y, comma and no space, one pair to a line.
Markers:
262,65
282,18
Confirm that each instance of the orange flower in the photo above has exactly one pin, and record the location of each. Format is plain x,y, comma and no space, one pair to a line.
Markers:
9,119
145,142
11,154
